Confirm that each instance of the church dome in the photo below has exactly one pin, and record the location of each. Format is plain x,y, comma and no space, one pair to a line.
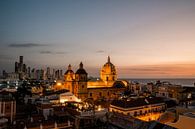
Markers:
69,71
108,71
69,74
81,70
109,67
118,84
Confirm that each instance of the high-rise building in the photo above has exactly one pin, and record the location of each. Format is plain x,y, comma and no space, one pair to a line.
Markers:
28,72
20,68
24,69
21,60
33,74
48,73
16,67
61,74
53,74
40,74
4,74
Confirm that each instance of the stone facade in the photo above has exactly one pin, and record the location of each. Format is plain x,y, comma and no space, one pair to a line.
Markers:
107,87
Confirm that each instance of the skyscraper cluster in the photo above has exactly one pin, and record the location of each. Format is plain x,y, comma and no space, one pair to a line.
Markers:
36,74
41,74
20,68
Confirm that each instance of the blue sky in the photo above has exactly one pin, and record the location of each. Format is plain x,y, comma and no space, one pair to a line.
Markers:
155,35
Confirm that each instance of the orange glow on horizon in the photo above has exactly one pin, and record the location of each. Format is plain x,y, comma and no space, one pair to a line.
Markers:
160,70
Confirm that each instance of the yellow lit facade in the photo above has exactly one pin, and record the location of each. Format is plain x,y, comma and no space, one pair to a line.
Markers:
107,87
108,72
145,112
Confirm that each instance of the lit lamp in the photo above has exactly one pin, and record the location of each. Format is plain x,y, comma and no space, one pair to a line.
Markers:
99,108
59,84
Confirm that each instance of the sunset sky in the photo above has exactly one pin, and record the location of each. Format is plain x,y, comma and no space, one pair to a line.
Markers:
144,38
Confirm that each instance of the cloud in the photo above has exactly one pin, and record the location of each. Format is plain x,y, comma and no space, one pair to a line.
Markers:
46,52
100,51
54,53
61,52
27,45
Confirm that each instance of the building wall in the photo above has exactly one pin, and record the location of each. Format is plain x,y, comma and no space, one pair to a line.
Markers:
80,90
83,89
105,93
147,113
69,85
8,108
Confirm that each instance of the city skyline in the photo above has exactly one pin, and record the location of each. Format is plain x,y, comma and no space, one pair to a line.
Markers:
144,39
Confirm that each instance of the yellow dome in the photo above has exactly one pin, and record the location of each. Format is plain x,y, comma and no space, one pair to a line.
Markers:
108,72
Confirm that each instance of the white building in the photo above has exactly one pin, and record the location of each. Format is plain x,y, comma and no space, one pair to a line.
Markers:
68,97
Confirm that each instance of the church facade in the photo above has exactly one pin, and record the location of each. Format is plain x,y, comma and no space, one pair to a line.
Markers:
107,87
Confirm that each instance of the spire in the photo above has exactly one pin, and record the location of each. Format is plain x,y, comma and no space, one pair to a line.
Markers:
81,65
69,67
108,59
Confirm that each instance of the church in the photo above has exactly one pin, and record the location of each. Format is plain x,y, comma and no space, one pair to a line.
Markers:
107,87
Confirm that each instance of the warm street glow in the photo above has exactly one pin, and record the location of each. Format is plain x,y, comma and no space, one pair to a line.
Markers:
63,100
150,116
59,84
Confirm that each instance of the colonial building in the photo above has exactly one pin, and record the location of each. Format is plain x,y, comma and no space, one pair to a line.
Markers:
107,87
146,109
7,106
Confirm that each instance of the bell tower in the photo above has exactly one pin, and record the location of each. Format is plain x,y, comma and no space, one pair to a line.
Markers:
80,89
69,79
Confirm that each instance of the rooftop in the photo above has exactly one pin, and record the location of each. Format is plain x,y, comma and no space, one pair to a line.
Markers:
136,102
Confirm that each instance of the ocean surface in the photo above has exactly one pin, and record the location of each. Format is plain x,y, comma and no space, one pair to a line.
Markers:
177,81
